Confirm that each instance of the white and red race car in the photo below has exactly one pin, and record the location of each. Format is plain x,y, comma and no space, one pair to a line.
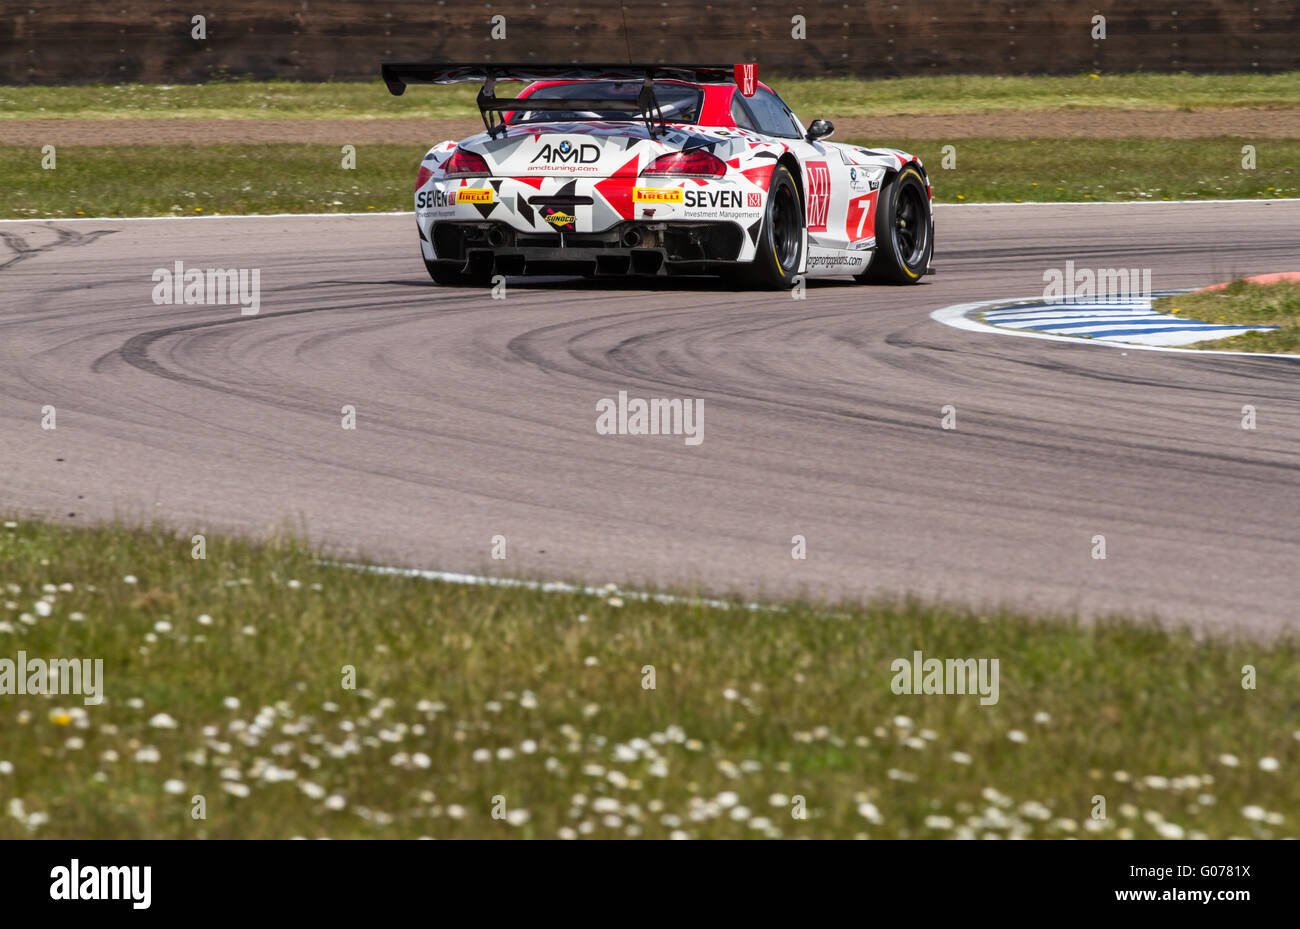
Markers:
658,169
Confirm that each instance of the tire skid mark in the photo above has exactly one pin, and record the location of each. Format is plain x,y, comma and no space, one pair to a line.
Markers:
66,238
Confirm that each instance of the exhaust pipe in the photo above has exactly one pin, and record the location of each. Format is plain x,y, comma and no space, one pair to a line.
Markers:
632,237
495,237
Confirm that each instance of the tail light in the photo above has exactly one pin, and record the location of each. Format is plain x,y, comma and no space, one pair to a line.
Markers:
696,163
465,164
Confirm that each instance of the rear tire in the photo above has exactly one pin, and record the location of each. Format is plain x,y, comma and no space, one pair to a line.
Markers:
904,231
780,240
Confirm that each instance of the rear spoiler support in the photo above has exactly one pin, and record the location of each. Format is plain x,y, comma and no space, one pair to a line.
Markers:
651,112
487,98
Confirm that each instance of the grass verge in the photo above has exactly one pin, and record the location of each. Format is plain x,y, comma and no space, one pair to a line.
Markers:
191,180
992,170
1246,303
825,97
224,679
182,180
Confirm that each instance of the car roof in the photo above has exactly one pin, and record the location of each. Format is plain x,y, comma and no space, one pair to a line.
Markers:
715,110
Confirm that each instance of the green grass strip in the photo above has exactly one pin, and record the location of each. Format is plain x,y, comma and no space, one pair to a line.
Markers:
194,180
226,678
1247,304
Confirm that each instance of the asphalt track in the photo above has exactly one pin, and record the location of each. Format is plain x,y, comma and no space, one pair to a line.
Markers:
476,417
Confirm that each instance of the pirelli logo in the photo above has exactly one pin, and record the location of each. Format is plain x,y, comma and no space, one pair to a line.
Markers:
657,194
474,195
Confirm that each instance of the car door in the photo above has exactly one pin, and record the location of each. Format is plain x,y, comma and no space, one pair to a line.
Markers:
827,184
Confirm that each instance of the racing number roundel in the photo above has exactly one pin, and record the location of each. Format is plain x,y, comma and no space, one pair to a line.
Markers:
861,220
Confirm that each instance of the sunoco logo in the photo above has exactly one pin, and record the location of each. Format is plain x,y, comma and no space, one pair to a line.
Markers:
567,153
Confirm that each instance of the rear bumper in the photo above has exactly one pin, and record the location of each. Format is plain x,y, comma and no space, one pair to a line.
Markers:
604,262
628,248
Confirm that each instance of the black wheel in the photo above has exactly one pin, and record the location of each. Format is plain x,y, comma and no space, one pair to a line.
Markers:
780,240
448,273
904,231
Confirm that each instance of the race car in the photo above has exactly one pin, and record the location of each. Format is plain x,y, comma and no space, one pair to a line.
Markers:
659,169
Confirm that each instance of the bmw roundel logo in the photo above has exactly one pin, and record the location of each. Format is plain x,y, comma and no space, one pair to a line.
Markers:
853,174
565,147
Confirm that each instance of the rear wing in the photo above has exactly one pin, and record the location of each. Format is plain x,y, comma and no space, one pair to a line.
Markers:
398,75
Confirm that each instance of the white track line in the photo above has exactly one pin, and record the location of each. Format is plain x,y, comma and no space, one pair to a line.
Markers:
139,219
958,317
550,587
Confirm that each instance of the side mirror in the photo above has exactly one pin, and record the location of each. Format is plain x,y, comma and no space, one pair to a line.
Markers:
820,129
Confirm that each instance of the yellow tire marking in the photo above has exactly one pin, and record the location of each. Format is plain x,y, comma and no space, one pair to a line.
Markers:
775,259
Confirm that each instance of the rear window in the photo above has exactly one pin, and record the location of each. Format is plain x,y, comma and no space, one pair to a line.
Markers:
680,102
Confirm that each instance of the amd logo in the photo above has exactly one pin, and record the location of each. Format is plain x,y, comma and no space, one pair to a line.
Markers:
567,153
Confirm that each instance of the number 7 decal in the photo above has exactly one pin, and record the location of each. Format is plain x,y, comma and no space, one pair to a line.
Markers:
860,222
